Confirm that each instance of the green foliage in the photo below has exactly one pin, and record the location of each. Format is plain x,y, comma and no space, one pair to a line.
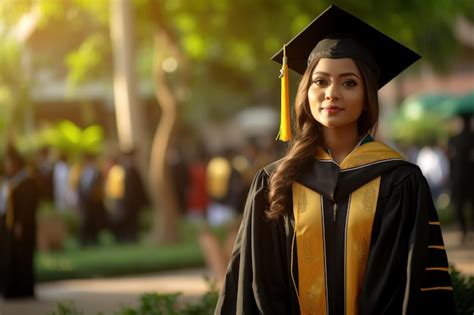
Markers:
71,139
10,60
14,87
463,287
66,309
109,259
423,131
11,11
75,32
158,304
84,62
206,304
446,215
422,119
6,108
227,43
154,304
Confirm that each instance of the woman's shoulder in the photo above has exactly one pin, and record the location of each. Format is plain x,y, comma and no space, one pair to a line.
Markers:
405,176
262,176
270,168
402,172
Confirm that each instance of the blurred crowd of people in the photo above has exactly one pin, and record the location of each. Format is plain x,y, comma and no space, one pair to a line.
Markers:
109,198
108,193
216,188
449,171
211,191
18,202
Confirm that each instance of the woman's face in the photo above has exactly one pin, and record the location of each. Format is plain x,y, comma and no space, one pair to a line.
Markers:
336,93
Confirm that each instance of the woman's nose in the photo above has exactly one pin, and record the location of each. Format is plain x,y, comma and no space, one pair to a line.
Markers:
332,92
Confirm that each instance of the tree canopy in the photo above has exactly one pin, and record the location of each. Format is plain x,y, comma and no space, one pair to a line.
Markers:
228,43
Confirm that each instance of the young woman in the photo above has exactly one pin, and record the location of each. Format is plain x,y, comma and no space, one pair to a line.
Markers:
342,224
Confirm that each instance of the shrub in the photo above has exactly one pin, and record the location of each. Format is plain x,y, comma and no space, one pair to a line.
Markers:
158,304
463,287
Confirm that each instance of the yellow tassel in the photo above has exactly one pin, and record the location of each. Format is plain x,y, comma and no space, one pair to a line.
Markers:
285,117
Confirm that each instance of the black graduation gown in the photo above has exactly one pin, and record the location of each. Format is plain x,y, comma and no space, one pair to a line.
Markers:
461,167
19,239
91,205
129,206
404,245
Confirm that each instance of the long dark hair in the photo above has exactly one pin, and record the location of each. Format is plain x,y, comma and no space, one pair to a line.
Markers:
308,136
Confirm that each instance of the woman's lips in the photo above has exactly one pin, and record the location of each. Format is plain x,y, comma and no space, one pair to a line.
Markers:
332,109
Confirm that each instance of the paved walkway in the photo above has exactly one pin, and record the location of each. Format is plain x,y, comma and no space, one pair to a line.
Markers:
461,256
109,295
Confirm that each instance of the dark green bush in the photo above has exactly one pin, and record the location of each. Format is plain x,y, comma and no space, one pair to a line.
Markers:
157,304
463,287
66,309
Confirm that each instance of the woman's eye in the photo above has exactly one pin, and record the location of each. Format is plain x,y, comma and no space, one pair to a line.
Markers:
319,81
350,83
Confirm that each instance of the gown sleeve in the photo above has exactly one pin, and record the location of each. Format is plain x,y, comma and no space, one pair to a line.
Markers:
257,281
407,268
429,289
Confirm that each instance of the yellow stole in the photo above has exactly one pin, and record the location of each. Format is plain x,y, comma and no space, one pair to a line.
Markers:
115,182
309,232
218,174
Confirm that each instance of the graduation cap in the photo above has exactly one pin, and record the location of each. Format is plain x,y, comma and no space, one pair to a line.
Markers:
336,33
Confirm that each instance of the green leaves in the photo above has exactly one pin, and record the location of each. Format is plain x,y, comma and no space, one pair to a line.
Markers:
10,62
420,119
69,138
463,287
227,42
85,62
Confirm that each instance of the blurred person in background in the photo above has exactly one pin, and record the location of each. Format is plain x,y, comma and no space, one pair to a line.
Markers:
435,167
461,157
124,185
224,187
179,171
65,198
224,190
18,207
43,173
114,186
196,213
197,199
90,190
255,158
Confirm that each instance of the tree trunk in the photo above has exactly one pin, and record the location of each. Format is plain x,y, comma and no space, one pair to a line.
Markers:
166,215
129,113
166,218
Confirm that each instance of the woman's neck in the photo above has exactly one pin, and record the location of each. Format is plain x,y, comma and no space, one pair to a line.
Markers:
340,141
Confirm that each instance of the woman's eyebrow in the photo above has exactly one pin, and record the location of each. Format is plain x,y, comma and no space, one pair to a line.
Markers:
345,74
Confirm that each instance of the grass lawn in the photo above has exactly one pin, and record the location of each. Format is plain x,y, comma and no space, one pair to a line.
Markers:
113,260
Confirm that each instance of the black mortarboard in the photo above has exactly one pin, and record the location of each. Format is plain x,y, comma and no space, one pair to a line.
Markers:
338,34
